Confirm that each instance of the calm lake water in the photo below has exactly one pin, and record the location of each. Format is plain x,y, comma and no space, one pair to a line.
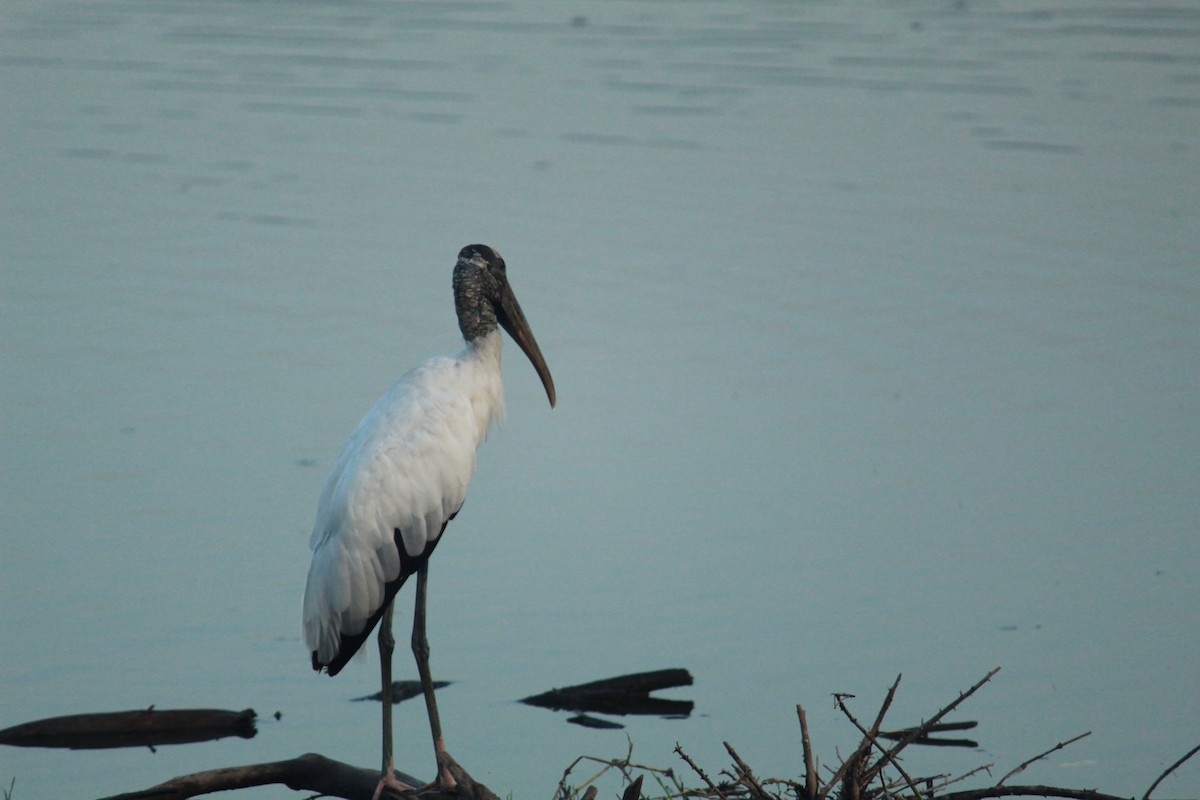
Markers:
875,329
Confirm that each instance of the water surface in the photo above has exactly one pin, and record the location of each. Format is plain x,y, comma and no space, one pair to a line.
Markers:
874,329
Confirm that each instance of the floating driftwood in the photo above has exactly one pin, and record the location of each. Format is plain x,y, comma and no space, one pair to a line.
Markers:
626,694
131,728
401,691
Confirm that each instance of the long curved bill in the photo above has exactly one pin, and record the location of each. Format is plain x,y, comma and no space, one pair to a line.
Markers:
512,319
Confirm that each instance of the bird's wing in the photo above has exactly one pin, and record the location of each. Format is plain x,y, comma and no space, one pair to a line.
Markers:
405,468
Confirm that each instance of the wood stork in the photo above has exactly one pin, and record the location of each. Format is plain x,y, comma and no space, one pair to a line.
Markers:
400,478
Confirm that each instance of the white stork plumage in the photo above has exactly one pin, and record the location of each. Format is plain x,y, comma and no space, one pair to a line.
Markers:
400,478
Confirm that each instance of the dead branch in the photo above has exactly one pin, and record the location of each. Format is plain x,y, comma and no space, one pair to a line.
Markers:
883,708
968,774
810,770
745,775
1029,791
309,772
1169,770
696,769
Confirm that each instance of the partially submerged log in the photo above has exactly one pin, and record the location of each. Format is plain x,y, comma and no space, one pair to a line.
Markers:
145,728
625,694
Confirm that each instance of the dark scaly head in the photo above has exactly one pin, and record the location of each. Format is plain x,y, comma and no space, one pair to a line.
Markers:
484,299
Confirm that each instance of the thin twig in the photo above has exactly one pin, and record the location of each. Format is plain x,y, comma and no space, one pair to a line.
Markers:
1039,756
564,791
623,765
847,763
981,768
561,792
1169,770
608,764
746,776
711,786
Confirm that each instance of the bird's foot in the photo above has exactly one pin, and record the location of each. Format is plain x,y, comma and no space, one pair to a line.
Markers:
445,781
388,780
445,784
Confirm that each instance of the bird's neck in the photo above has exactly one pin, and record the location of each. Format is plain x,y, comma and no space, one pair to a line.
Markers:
485,348
482,355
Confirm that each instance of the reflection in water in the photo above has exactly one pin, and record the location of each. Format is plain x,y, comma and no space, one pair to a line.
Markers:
402,690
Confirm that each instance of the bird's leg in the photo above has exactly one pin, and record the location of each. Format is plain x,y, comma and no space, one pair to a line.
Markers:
420,647
387,643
